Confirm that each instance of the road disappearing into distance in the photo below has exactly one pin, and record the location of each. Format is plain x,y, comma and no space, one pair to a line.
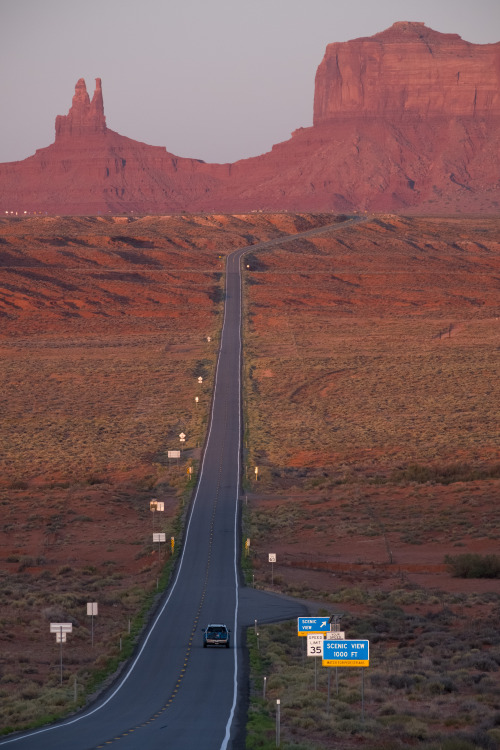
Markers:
175,694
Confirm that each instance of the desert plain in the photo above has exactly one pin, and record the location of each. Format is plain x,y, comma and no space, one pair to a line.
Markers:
371,397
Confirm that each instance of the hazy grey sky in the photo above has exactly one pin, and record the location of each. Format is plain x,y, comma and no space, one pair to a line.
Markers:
218,80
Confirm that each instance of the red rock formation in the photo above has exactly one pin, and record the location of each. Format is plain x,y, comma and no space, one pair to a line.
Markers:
408,69
406,119
85,118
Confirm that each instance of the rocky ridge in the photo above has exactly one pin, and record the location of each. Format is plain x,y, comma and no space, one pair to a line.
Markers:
405,120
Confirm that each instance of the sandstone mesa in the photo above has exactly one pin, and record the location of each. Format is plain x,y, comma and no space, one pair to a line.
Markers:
405,120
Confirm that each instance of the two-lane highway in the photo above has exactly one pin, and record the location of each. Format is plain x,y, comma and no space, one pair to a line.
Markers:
176,695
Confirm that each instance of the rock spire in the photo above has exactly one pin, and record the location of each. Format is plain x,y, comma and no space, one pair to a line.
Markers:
85,117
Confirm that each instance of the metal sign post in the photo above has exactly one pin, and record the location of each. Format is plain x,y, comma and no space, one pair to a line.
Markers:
60,629
278,706
315,649
91,611
160,537
272,560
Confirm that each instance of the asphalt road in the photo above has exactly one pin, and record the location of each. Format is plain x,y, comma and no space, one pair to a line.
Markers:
176,695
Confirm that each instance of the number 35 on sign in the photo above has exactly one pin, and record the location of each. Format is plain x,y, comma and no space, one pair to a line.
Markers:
315,644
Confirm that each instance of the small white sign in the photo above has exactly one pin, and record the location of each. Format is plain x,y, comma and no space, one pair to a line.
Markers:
92,608
200,379
60,637
61,627
160,537
315,644
160,506
174,454
338,635
182,436
272,557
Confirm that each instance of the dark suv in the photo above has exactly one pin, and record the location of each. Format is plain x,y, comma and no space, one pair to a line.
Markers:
216,635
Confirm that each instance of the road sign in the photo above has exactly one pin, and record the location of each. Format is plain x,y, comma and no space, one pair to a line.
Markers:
174,454
315,644
182,436
160,537
346,653
61,627
272,557
91,608
60,637
335,635
307,625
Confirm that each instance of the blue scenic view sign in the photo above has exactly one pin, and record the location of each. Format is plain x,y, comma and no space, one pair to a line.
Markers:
308,625
346,653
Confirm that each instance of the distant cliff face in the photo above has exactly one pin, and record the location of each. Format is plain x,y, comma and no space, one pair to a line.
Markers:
408,69
408,119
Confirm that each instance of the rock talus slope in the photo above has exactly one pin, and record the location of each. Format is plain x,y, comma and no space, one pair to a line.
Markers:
406,120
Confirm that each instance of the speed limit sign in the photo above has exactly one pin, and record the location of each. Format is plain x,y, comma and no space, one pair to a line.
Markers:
315,644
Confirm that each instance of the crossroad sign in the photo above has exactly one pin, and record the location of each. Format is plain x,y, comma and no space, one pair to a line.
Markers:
346,653
315,644
307,625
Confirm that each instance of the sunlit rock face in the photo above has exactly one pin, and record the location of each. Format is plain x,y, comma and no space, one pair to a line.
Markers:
406,120
408,69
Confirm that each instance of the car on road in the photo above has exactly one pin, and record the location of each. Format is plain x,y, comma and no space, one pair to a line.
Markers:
216,634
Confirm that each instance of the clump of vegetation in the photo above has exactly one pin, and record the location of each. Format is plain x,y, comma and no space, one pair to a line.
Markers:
471,565
445,474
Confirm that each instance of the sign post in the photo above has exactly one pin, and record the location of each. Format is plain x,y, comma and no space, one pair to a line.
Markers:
91,611
160,537
315,649
60,629
272,560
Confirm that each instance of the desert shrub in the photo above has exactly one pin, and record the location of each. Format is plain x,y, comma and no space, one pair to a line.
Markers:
18,484
445,474
472,565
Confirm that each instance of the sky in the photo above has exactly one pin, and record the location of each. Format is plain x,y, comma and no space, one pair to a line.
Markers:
218,80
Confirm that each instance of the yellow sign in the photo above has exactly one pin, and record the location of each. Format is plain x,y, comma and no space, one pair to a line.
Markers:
172,542
345,663
247,543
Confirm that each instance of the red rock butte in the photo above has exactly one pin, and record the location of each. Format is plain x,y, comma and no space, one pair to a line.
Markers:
407,120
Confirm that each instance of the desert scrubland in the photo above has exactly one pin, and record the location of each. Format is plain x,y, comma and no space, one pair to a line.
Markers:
372,397
371,409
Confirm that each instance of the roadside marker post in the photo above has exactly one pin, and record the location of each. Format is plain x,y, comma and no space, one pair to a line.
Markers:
159,537
272,560
91,611
61,629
